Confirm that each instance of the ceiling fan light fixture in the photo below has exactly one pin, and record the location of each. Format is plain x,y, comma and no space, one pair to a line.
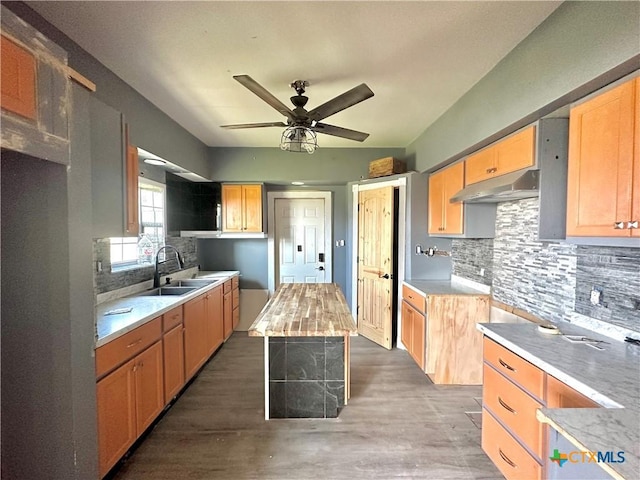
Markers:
299,139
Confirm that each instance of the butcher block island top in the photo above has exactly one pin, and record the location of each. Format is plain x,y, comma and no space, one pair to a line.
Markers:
305,310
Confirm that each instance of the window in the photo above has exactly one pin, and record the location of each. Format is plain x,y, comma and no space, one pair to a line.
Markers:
131,252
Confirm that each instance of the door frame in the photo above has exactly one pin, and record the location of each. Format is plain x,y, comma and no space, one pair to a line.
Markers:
271,231
401,184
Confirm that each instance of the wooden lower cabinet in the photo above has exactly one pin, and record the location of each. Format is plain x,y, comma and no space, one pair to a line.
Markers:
560,395
128,399
173,343
228,314
215,334
413,333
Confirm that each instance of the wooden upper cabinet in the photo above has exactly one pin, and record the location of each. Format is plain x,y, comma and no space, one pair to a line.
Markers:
241,208
602,173
132,172
18,82
446,217
635,203
513,153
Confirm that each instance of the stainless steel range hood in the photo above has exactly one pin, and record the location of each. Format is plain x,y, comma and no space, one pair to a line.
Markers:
512,186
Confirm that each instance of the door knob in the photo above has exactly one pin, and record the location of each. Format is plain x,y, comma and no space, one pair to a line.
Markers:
321,268
386,275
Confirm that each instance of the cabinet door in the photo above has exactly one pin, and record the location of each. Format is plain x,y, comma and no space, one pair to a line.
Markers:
516,152
407,326
236,317
635,207
115,396
149,386
418,339
228,314
480,165
435,206
133,223
232,218
195,335
600,170
173,362
252,204
215,319
18,80
453,212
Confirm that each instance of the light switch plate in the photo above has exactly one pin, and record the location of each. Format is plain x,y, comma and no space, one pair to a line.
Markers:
595,296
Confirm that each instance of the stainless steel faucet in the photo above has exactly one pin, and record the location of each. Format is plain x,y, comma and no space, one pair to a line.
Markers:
156,274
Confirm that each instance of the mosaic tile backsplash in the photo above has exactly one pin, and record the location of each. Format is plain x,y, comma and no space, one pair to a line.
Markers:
551,280
106,280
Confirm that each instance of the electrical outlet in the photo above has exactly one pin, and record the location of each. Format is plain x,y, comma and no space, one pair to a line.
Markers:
482,272
596,296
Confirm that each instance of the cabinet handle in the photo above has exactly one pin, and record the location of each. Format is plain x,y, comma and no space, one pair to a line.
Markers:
505,406
506,365
141,364
506,459
618,225
133,344
632,224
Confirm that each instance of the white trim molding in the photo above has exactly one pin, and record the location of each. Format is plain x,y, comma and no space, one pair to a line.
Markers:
271,231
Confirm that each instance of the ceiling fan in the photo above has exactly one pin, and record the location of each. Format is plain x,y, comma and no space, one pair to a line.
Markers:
299,117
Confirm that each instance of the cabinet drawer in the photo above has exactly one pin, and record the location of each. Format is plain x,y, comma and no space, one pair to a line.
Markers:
513,461
414,298
235,282
227,286
236,298
171,318
515,408
123,348
526,375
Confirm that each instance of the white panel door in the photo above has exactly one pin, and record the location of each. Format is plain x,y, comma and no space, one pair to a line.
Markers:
299,240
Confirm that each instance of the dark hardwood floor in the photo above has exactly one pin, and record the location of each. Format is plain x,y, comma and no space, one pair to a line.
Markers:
397,425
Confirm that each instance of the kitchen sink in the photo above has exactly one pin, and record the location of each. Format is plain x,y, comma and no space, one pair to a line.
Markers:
161,291
194,282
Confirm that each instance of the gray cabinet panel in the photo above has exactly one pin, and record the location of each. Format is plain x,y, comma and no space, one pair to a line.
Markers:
108,155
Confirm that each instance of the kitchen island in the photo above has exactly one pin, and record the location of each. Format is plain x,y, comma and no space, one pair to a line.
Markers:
306,329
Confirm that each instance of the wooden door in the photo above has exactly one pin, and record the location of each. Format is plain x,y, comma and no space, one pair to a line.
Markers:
18,81
195,335
407,327
635,206
215,328
375,265
115,396
516,152
232,220
252,206
228,314
480,165
435,207
453,213
173,362
149,378
600,171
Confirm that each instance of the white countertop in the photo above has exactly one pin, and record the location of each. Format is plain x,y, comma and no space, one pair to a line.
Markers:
144,309
443,287
610,377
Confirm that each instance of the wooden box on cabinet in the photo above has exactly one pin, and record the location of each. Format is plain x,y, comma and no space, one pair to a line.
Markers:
386,166
36,92
242,208
603,194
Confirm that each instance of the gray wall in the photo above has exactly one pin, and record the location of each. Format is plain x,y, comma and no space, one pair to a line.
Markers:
271,165
565,58
150,128
249,256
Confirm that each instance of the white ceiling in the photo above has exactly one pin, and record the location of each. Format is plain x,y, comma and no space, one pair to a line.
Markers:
418,57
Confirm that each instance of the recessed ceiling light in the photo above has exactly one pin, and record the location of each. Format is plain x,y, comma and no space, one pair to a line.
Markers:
154,161
297,183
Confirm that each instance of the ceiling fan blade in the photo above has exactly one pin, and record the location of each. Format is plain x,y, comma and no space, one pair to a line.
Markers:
340,132
265,95
339,103
253,125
